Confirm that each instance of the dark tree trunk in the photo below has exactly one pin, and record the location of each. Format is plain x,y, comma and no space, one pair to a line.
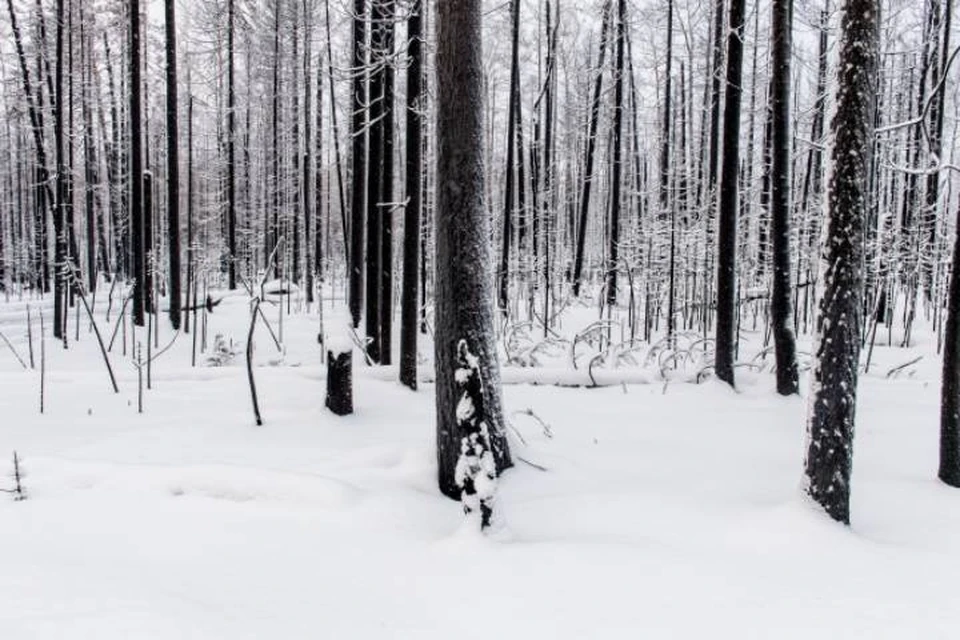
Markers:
136,170
591,147
715,91
387,208
148,242
666,124
614,239
936,148
949,471
231,149
307,184
374,180
727,240
358,160
464,280
834,383
89,160
340,382
780,303
173,167
191,285
510,177
411,218
59,217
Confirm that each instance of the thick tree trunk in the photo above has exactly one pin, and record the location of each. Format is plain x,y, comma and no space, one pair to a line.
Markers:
949,471
464,297
339,382
834,382
780,302
727,228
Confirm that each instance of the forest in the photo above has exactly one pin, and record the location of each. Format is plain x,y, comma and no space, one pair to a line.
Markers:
602,271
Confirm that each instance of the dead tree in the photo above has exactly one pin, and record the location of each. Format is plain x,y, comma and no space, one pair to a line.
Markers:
173,165
411,219
833,399
465,305
780,302
727,227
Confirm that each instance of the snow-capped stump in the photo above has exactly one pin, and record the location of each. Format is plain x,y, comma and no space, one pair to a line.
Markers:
339,375
476,471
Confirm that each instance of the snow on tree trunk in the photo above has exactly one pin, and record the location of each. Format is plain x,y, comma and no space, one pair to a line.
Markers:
833,398
464,256
476,470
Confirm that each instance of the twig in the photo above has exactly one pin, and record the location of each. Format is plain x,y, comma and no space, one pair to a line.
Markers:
253,385
13,351
547,431
896,370
532,464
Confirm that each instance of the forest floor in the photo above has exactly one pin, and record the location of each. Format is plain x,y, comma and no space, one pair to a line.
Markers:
668,510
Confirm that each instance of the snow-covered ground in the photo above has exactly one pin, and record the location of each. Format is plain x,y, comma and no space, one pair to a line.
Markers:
665,510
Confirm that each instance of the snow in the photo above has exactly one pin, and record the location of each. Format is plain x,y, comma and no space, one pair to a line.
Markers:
665,511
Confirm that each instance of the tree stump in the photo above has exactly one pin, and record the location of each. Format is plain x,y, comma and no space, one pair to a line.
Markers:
340,382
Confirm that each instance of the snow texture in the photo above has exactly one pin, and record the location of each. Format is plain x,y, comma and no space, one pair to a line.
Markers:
665,512
476,470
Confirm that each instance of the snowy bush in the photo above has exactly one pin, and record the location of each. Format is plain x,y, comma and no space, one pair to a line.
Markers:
223,352
476,471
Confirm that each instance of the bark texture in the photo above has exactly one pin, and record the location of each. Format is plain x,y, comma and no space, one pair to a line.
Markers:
340,382
834,382
780,303
464,256
727,240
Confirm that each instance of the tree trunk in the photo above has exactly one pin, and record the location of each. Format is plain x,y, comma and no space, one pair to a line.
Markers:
780,303
59,218
231,149
834,382
464,279
374,180
339,382
510,177
136,170
411,217
727,240
387,208
615,179
173,167
358,161
591,147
